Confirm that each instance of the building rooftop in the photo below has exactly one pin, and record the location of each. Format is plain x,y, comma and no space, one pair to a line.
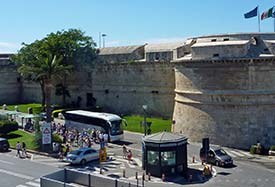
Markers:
222,43
119,50
164,137
162,47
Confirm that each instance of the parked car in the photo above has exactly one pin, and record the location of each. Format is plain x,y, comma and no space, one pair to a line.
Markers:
217,156
4,144
82,155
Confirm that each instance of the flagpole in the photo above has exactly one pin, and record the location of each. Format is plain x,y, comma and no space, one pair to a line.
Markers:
273,18
259,27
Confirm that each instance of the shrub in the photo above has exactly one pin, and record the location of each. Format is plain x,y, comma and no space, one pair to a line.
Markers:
272,148
7,126
38,139
56,138
3,117
253,149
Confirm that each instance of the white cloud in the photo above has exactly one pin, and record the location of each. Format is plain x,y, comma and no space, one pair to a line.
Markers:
6,47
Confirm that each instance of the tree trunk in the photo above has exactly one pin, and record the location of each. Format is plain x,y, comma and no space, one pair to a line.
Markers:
42,85
48,92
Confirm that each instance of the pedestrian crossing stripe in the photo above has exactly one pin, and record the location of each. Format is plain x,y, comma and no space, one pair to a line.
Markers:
33,184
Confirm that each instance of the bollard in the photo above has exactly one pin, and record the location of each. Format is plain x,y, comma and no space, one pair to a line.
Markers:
149,176
190,178
193,159
211,168
124,173
143,179
100,170
163,177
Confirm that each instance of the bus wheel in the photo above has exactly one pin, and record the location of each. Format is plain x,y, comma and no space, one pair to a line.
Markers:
83,162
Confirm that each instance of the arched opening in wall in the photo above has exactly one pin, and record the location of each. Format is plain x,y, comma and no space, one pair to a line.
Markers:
90,100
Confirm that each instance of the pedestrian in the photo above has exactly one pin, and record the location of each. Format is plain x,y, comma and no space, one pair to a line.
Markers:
18,148
130,155
124,150
61,152
24,150
67,150
105,138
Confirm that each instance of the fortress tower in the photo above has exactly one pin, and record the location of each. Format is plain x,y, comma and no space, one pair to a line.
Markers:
226,90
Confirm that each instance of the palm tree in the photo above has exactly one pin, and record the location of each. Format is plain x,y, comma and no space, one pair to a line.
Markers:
44,68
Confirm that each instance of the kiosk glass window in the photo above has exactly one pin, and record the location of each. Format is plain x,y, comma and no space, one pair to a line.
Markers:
153,157
168,158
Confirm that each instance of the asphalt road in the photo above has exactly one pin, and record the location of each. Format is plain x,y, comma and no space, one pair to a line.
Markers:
16,172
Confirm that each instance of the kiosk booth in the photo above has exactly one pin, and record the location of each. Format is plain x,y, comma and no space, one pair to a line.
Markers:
165,153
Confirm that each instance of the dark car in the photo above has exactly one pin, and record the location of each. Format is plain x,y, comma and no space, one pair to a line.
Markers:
4,144
217,156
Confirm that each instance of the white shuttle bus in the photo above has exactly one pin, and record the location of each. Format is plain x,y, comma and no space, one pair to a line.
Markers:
81,119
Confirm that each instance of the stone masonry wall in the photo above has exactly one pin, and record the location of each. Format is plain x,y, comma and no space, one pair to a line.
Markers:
10,83
119,88
232,103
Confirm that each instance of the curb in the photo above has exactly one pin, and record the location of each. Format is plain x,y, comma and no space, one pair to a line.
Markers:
37,152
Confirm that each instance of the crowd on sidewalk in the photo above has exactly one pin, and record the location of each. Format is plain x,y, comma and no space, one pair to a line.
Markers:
74,138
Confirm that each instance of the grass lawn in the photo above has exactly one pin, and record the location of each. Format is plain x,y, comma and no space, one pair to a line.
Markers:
158,125
23,107
21,136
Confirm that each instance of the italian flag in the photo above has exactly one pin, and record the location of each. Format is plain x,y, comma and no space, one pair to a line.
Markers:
267,14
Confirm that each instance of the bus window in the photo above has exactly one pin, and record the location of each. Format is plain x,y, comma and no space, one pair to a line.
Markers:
116,127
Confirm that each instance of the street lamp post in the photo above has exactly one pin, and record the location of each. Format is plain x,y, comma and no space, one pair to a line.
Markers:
103,38
144,121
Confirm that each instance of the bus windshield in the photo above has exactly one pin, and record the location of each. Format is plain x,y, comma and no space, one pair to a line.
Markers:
116,127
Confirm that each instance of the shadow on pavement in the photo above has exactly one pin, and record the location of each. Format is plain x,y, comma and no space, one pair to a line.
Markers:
194,177
224,173
123,143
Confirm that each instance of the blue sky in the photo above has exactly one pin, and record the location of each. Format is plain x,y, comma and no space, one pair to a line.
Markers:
127,22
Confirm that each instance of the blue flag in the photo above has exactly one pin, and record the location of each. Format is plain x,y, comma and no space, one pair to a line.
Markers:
252,13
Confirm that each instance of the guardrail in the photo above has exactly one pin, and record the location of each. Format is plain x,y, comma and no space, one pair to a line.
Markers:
72,178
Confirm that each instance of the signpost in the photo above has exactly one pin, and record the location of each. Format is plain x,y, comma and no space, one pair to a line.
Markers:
46,133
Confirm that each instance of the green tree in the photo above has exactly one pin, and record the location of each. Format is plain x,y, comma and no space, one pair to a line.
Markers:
54,57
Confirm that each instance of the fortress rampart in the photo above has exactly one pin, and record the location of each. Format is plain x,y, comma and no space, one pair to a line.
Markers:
218,86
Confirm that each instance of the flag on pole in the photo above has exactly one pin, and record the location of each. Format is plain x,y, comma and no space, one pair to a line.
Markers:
267,14
251,13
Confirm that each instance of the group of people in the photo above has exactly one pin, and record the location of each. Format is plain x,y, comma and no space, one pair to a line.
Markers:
21,150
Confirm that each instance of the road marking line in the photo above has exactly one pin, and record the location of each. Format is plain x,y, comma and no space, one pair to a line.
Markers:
16,174
21,185
139,163
37,180
236,153
33,184
5,162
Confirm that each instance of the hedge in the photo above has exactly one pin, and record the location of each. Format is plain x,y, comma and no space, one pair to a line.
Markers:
7,126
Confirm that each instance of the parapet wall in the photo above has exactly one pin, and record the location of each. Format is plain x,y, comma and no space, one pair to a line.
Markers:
231,102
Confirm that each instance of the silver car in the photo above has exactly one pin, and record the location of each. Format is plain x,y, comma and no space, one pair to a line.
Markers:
82,155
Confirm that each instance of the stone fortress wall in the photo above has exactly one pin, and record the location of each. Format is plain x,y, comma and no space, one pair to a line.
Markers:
219,86
118,88
10,82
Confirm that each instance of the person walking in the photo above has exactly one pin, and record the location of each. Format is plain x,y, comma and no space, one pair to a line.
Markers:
124,150
24,150
130,155
18,149
105,139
